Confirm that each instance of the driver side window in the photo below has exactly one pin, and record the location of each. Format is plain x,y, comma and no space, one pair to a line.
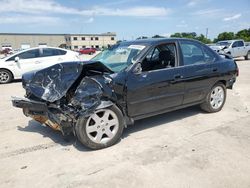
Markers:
235,44
160,57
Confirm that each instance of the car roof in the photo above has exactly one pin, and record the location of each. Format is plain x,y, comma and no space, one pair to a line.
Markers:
230,40
43,47
25,50
154,41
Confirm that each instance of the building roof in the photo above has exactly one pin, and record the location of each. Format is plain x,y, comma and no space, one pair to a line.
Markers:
62,34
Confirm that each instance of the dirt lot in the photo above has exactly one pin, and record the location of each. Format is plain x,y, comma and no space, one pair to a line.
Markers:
186,148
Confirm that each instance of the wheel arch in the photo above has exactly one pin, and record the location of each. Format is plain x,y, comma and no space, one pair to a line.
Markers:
224,82
9,71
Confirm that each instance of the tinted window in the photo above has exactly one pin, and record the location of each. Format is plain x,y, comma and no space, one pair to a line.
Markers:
235,44
240,43
209,55
12,58
28,54
46,52
59,52
194,53
161,57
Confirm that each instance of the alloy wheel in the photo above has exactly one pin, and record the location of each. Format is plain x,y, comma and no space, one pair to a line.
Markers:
217,97
102,126
4,76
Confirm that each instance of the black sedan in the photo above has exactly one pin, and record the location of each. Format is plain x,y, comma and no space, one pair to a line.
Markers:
132,80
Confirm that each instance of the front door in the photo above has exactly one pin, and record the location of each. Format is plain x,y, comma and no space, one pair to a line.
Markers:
24,62
158,86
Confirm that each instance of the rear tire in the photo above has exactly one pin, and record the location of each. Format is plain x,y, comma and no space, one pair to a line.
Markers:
247,57
215,99
101,129
5,76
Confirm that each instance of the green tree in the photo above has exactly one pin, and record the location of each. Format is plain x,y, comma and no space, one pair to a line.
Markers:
225,36
243,34
157,36
192,35
177,35
203,39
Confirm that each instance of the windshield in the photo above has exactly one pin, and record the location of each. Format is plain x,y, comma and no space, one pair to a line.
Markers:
224,43
119,56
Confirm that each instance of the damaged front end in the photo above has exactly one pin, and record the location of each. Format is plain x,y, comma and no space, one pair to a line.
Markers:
59,95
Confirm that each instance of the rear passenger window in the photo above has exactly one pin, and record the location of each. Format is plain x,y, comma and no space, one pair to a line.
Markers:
208,55
62,52
194,53
46,52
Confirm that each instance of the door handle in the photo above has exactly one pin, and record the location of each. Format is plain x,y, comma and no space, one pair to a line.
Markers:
177,77
215,69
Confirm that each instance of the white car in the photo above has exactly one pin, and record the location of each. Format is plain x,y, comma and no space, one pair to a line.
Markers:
15,65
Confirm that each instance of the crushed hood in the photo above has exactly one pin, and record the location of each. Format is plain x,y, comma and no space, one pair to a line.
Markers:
52,83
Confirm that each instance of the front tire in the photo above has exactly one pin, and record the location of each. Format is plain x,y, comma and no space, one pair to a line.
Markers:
101,129
215,99
5,76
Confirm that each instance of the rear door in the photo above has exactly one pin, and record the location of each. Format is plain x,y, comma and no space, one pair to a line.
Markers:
242,48
236,49
199,70
158,86
51,56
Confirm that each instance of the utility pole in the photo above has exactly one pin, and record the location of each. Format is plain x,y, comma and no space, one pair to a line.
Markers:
206,32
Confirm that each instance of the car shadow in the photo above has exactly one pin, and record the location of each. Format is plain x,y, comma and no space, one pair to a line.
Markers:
140,125
158,120
17,80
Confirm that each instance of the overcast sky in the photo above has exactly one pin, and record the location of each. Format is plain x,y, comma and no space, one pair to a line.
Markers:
128,18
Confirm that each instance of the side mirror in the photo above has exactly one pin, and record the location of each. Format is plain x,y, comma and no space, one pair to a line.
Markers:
137,70
16,59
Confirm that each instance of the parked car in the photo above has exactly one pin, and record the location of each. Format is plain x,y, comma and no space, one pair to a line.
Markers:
235,48
97,99
14,66
7,51
89,51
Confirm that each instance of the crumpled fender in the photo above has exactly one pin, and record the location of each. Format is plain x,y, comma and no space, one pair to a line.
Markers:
104,104
91,95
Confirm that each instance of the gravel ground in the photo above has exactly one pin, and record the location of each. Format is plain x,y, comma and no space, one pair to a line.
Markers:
185,148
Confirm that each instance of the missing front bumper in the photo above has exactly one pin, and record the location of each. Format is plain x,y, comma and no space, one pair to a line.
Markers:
36,110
